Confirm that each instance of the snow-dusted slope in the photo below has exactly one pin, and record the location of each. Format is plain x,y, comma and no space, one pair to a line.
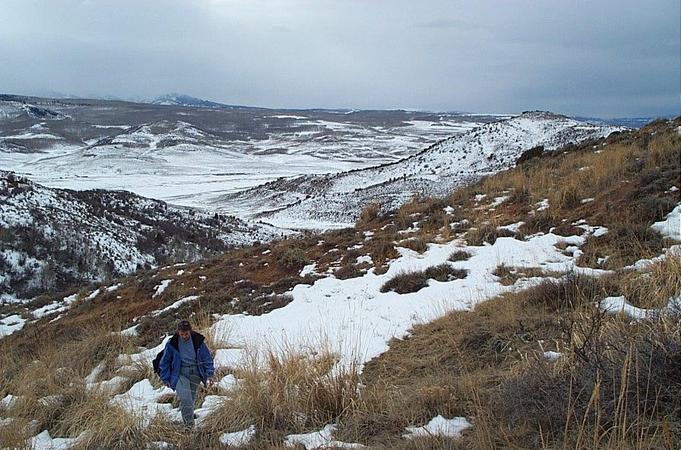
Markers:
335,200
158,135
52,239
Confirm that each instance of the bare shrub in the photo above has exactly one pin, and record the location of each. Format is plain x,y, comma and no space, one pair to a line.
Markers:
620,382
571,292
419,244
459,255
509,275
290,255
381,250
623,244
106,427
347,271
407,282
486,233
540,222
369,213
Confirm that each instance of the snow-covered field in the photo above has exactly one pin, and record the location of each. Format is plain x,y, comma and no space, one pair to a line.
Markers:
192,156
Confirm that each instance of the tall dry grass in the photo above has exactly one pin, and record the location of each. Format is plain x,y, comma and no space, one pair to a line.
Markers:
289,392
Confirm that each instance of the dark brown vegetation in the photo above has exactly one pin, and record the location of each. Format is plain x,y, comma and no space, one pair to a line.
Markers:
407,282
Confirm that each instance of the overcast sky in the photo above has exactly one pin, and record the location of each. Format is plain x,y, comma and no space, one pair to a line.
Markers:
603,58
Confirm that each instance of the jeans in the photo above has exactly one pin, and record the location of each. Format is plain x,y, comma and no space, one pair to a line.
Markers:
187,386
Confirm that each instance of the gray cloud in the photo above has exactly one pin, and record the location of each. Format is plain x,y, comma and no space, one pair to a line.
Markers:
607,58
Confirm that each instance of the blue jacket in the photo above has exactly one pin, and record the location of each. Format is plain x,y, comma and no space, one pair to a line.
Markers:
171,361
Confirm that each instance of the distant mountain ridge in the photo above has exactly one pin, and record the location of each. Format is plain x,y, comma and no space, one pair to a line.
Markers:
174,99
179,99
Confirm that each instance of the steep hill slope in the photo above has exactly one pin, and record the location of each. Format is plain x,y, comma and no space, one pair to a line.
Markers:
54,239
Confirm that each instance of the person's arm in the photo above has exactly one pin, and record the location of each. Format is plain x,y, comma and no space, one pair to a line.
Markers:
165,366
206,360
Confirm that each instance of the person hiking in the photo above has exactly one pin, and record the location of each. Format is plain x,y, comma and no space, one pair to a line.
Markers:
186,362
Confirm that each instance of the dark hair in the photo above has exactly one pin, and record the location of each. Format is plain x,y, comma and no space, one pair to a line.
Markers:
184,325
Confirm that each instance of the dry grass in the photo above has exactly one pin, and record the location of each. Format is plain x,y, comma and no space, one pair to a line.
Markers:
348,271
50,382
381,251
408,282
615,387
653,287
612,392
459,255
290,255
510,275
624,244
16,434
291,393
369,214
418,244
105,427
431,372
627,176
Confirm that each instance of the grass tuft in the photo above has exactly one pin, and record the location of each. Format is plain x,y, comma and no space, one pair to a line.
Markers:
408,282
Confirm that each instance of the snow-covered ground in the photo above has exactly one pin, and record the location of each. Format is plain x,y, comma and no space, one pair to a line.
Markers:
355,320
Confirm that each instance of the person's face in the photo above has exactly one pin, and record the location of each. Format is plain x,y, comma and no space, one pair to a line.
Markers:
184,334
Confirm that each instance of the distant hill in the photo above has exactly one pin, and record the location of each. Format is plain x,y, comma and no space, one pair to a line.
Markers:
186,100
336,199
52,239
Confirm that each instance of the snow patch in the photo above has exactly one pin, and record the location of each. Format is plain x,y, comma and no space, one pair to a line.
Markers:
11,324
230,357
141,399
439,426
318,439
161,287
308,270
552,356
9,401
356,320
44,441
175,305
238,438
617,305
671,225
